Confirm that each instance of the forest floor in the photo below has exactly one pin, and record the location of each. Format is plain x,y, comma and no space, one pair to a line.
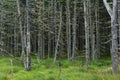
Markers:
11,69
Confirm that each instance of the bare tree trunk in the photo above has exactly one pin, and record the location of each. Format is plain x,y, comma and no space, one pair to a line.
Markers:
74,31
114,38
28,50
49,44
58,38
87,42
15,38
114,51
97,30
49,32
119,27
54,25
43,26
21,32
68,29
39,30
39,49
92,28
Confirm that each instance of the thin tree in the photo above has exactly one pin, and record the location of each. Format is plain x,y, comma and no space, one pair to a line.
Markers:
87,42
58,37
97,29
28,50
68,29
74,31
21,32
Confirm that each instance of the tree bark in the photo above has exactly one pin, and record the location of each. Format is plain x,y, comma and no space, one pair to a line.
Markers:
87,42
58,38
114,38
74,31
114,51
68,29
21,33
28,50
97,30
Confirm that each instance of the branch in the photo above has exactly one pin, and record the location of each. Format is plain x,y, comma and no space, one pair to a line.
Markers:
108,7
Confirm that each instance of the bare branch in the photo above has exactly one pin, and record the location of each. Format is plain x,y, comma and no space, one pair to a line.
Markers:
108,7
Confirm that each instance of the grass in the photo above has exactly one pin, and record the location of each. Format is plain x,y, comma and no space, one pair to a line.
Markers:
47,70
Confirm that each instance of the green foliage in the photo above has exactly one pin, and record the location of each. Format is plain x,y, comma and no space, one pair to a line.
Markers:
47,70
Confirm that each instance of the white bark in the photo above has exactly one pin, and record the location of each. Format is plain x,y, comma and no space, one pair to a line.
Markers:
108,7
114,38
114,51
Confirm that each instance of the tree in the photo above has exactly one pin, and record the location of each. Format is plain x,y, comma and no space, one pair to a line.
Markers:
28,50
114,51
20,26
68,29
58,38
74,31
97,29
91,18
87,23
60,28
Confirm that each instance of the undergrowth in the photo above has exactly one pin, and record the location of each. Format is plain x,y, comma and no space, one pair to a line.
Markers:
61,70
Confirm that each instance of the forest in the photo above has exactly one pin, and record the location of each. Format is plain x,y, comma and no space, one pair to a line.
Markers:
59,39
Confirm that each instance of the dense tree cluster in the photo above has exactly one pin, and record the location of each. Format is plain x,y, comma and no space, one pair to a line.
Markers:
59,29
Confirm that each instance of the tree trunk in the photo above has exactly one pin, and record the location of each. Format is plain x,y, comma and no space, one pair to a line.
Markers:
28,50
58,38
114,38
97,30
68,29
21,32
119,27
74,32
114,51
92,28
87,42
